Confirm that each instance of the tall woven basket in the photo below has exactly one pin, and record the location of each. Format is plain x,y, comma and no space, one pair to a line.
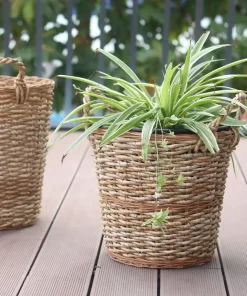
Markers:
25,107
127,187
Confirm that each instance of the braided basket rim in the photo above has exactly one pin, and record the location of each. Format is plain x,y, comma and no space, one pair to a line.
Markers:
7,83
179,136
177,131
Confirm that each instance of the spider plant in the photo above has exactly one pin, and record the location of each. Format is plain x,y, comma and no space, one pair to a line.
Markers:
189,97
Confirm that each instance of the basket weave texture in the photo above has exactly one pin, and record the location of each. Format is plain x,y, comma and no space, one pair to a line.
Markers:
25,107
127,186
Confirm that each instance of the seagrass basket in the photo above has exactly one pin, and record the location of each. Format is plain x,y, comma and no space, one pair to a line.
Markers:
25,107
127,187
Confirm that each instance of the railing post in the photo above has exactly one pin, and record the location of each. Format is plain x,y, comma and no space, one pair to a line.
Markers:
228,50
166,29
199,15
68,82
7,32
134,30
39,36
101,58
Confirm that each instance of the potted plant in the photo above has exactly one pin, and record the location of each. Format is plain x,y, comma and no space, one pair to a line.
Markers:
162,158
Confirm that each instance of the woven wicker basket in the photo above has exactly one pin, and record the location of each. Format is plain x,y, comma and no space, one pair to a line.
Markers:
25,107
127,187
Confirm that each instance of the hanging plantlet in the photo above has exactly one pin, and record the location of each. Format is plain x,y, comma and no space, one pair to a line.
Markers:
158,219
180,179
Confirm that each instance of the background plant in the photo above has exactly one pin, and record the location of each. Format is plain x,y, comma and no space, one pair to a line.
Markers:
118,28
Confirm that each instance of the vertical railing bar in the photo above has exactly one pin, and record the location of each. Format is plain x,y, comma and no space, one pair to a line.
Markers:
166,29
199,15
39,36
7,31
228,50
134,31
68,82
101,58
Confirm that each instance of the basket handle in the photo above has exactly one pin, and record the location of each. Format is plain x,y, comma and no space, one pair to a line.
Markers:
20,85
241,97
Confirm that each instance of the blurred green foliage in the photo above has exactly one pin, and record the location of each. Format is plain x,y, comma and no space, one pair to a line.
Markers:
118,30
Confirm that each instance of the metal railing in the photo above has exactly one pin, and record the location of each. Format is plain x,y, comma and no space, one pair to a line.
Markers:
101,60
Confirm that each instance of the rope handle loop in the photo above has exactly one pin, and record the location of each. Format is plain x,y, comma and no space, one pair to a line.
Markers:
214,125
20,85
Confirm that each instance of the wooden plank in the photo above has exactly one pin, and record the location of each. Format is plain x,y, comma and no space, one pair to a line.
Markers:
233,235
65,263
203,280
241,154
19,247
113,278
192,282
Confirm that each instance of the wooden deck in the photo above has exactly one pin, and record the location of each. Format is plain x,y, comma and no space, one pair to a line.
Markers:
63,254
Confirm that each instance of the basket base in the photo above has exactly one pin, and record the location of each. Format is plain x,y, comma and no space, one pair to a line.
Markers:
162,263
18,224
